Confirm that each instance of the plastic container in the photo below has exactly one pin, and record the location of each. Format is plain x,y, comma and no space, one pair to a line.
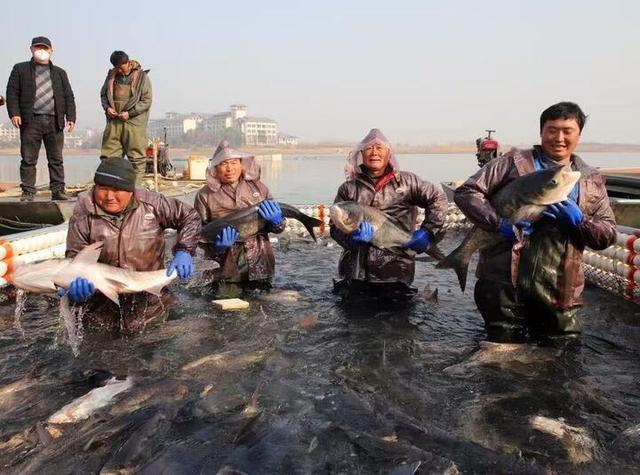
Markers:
197,167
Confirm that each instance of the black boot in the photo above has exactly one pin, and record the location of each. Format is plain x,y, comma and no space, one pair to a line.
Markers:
26,196
59,196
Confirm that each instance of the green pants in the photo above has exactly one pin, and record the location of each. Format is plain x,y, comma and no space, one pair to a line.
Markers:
124,138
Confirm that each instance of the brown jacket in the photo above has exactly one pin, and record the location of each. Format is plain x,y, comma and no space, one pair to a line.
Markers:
398,199
138,243
257,249
500,262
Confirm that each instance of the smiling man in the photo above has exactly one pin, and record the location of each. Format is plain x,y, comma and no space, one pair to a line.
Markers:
374,179
131,223
547,266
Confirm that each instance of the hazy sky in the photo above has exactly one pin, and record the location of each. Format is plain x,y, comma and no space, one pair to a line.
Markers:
422,71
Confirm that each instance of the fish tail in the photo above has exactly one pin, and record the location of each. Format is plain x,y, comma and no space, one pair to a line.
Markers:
458,260
308,222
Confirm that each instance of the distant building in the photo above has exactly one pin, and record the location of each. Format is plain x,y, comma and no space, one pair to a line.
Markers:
254,130
286,139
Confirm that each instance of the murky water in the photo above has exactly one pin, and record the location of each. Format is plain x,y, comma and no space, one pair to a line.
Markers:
306,384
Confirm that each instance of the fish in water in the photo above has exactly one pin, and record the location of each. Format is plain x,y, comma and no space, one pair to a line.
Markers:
347,216
86,405
247,222
50,275
524,198
577,441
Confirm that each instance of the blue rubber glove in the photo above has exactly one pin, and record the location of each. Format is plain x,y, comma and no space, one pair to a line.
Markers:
79,290
364,233
506,229
566,214
182,263
419,241
270,211
226,238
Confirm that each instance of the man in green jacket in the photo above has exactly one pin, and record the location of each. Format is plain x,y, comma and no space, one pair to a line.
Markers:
126,100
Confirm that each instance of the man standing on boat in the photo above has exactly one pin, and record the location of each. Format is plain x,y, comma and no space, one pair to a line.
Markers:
374,179
40,102
233,182
131,223
126,100
548,267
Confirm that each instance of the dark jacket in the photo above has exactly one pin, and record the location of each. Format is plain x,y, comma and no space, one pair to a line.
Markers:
398,199
256,249
500,262
21,93
138,243
139,104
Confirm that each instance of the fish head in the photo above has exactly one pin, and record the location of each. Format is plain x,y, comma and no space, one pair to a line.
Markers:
39,277
549,186
346,216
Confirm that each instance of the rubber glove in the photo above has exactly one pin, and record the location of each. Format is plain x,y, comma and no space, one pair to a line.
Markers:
566,214
182,263
364,233
270,211
79,290
226,238
419,241
507,232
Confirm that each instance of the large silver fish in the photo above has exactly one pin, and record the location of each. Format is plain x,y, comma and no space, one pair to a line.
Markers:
50,275
524,198
347,216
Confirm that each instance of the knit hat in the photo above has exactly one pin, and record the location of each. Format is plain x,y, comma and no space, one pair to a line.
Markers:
116,173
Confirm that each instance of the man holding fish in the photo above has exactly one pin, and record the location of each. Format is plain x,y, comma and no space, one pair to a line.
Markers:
130,222
534,283
239,212
374,219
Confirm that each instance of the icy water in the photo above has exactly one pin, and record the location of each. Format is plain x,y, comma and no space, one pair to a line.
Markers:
312,179
303,383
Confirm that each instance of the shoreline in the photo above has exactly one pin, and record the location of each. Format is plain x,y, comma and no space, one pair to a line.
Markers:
343,149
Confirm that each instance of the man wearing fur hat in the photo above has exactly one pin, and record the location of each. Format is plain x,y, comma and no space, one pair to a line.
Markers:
374,179
126,100
131,223
233,182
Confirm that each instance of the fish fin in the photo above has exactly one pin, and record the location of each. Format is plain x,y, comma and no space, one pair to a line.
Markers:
459,262
90,254
157,290
435,252
110,292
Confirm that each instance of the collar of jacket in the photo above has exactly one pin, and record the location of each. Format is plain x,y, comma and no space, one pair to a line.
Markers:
34,64
364,177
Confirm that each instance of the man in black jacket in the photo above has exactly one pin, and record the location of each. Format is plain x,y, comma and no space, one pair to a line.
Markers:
40,101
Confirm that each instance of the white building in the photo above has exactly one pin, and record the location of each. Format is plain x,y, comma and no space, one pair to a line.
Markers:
286,139
258,131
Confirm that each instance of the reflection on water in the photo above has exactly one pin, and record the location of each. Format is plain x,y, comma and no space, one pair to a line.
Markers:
296,385
313,179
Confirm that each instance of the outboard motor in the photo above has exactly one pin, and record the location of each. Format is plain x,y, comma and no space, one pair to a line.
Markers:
487,149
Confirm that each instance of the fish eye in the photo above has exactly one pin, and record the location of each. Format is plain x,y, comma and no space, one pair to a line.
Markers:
554,182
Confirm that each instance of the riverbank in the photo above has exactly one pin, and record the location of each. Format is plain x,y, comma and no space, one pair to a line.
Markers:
344,149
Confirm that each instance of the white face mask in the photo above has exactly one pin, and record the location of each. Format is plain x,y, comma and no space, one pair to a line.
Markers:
41,55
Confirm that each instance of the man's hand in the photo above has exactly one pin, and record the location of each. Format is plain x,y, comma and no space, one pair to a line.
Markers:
566,214
111,112
123,116
507,231
226,238
419,241
364,233
16,120
182,264
79,290
71,124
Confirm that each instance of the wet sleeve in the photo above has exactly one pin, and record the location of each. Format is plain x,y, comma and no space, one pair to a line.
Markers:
472,197
78,235
338,236
430,197
180,216
144,104
598,228
202,207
